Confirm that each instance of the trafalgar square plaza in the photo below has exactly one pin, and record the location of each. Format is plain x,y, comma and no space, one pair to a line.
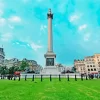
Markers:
50,83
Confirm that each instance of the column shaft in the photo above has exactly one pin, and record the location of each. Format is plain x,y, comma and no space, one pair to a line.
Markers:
50,41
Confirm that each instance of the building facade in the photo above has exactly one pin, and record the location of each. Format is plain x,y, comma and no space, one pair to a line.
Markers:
32,64
89,65
80,66
11,63
2,56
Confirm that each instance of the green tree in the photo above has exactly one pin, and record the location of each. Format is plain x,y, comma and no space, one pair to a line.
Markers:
3,70
73,69
11,70
60,65
24,65
16,69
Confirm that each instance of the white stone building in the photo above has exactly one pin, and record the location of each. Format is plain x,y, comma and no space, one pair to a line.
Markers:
90,64
16,63
80,66
11,62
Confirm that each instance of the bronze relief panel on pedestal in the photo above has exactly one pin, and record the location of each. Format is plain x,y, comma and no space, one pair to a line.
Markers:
50,62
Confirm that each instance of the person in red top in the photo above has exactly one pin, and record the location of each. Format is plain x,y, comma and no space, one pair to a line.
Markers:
17,73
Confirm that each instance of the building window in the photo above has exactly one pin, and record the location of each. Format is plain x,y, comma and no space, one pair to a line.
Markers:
98,62
91,69
93,62
87,65
93,65
92,59
83,68
88,69
90,65
94,69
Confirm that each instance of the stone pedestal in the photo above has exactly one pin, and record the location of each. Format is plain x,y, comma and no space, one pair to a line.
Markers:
53,70
50,67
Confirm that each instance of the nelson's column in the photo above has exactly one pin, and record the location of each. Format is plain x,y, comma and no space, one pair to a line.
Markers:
50,56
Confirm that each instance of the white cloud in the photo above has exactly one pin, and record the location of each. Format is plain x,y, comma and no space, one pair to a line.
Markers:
25,1
96,41
2,21
6,37
42,29
55,25
35,46
82,27
10,26
28,45
1,5
16,19
45,26
39,0
62,6
39,41
1,12
87,37
17,43
23,45
73,18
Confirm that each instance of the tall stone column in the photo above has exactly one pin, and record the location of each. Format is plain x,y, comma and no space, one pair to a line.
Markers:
50,36
50,56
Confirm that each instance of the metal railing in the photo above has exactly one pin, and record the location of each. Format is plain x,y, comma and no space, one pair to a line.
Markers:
76,77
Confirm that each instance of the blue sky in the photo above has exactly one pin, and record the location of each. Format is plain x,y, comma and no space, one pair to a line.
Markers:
76,29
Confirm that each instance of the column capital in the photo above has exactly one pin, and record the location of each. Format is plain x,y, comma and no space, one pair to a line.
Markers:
49,14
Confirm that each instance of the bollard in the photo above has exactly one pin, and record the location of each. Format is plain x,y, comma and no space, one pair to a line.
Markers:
50,78
8,77
97,76
25,77
68,77
75,78
14,78
33,78
19,78
89,77
86,77
82,77
41,78
59,78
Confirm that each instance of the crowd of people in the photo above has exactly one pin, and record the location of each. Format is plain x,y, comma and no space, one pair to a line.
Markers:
91,76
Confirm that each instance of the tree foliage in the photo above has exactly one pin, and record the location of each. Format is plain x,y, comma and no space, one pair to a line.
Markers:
11,70
73,69
24,65
3,70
